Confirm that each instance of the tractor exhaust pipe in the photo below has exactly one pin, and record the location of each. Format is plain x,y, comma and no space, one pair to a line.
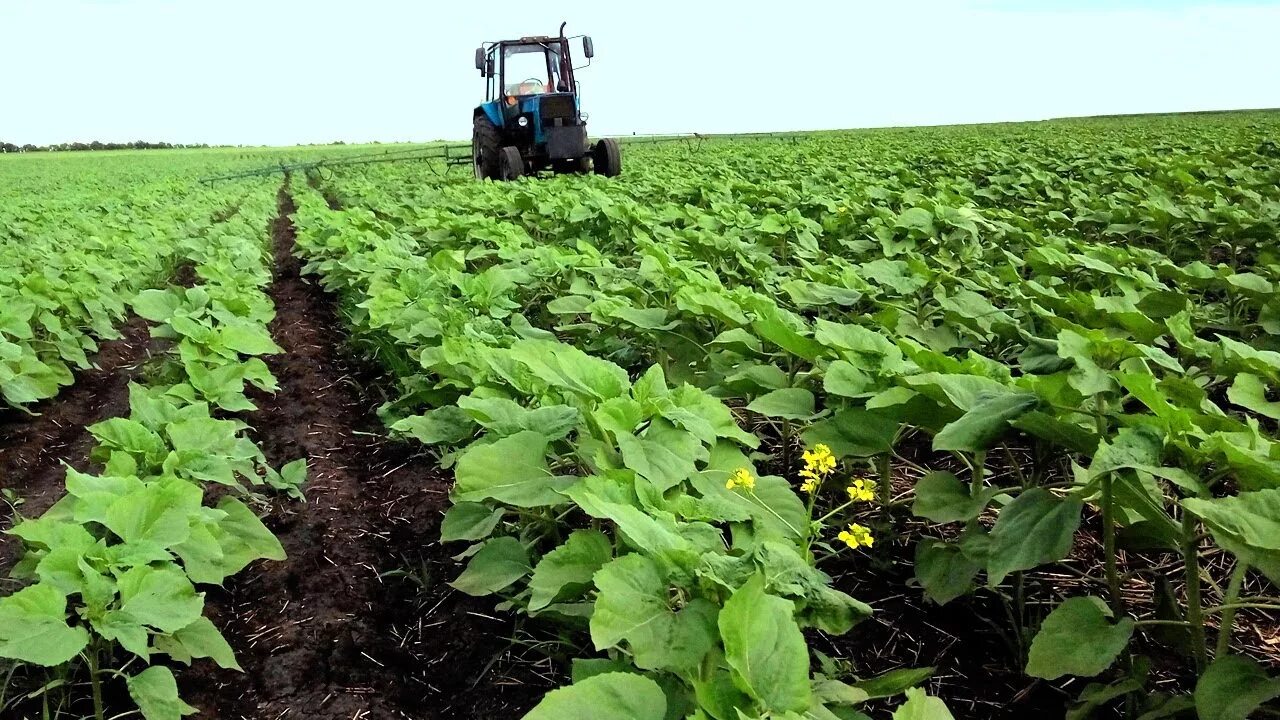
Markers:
566,22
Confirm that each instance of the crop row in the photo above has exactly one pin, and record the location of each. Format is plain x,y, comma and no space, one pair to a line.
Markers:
112,570
1104,307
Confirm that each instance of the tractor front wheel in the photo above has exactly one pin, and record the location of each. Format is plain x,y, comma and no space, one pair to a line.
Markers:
606,157
485,144
510,164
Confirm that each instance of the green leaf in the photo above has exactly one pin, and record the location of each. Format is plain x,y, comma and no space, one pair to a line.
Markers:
201,639
1137,447
665,455
567,367
920,706
512,470
156,305
984,423
506,417
568,569
156,693
942,498
1249,392
943,570
469,521
624,696
765,648
161,597
1232,688
1246,525
632,606
448,425
500,562
248,339
854,432
789,403
1078,638
846,379
894,682
33,627
1036,528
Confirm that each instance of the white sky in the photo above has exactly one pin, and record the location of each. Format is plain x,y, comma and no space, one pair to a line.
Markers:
287,71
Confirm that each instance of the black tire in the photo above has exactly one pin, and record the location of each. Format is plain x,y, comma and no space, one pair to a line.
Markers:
510,164
485,144
606,157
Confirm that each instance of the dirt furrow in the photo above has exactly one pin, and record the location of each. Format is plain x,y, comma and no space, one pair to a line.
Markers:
358,621
34,447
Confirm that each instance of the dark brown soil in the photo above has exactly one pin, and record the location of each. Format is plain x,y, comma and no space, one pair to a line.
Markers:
358,623
34,447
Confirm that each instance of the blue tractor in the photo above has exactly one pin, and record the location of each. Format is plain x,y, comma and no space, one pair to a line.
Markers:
531,119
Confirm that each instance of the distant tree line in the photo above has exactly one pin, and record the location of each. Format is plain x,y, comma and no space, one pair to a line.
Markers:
9,147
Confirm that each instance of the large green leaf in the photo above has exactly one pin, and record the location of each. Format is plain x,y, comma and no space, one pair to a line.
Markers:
920,706
943,570
500,562
161,597
633,607
1249,392
788,403
469,521
156,693
1036,528
512,470
942,498
984,423
1232,688
34,629
569,568
624,696
854,432
664,455
1078,638
765,648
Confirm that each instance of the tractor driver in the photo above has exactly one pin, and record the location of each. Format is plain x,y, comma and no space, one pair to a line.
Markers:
530,62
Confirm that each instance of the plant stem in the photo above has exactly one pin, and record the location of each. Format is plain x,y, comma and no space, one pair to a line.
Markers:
1237,605
1109,545
1229,608
95,683
885,462
977,472
1191,569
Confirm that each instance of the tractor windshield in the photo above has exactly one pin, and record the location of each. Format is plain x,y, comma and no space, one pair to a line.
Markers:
531,69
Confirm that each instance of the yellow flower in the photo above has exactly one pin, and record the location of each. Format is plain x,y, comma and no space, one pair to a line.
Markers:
862,490
810,485
842,209
818,462
856,536
741,478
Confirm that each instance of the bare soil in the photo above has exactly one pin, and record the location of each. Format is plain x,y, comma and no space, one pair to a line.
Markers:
358,622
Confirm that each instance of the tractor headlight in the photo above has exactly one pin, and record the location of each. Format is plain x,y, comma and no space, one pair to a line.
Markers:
523,121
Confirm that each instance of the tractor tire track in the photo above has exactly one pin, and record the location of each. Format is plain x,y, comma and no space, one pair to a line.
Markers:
328,633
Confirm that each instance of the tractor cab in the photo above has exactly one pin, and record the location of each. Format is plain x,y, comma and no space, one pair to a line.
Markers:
531,119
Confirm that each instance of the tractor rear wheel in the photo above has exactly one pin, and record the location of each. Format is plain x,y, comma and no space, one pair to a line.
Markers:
485,144
510,164
606,156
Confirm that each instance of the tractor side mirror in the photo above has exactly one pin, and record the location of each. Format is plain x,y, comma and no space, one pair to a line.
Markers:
480,65
588,48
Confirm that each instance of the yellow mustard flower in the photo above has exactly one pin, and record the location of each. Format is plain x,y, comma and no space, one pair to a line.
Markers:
818,464
741,478
862,490
856,536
